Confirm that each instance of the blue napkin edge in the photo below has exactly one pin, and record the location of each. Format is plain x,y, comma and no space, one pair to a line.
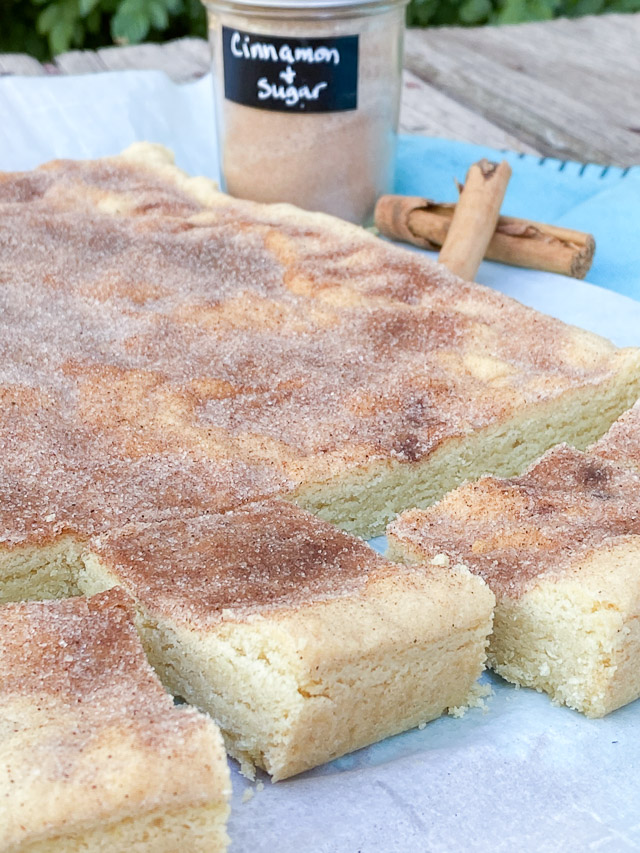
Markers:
472,152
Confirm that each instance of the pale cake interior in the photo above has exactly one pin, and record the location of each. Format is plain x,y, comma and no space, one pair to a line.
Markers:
285,711
94,754
578,637
31,572
365,502
203,828
560,547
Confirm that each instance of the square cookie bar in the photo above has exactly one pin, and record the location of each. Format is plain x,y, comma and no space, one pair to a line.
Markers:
300,640
94,756
560,548
61,483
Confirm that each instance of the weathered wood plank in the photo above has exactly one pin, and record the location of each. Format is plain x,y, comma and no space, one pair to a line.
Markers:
20,63
585,49
541,114
593,40
564,88
79,62
618,33
183,59
594,59
585,71
426,110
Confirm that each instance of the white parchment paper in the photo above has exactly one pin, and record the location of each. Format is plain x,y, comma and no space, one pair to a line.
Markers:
522,775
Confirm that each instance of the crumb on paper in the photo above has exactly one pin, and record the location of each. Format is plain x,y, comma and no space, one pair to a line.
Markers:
248,769
251,790
477,697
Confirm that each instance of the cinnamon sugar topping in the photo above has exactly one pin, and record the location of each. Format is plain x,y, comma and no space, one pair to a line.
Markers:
118,184
88,736
84,655
621,444
255,558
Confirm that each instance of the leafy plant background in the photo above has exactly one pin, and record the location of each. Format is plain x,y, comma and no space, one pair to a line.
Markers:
44,28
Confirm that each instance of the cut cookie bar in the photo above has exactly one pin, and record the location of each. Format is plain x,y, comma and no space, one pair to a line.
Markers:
94,756
60,483
300,641
560,548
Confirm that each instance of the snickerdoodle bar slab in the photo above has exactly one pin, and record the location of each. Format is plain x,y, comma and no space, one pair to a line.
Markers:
94,756
366,376
560,548
300,640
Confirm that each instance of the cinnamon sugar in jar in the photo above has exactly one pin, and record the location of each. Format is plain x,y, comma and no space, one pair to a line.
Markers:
307,99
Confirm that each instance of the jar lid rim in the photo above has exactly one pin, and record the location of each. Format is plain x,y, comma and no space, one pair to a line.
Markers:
309,4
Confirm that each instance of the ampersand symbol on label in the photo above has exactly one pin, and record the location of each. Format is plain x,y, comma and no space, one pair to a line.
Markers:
288,75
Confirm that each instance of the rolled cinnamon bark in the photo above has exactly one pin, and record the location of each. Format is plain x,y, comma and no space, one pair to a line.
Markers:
519,242
475,218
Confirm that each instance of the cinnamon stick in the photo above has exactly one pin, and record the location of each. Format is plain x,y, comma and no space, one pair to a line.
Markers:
475,218
519,242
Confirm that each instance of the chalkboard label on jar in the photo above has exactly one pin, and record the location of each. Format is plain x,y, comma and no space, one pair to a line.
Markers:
300,75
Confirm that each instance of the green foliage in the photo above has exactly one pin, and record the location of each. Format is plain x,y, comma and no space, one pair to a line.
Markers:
473,13
18,29
44,28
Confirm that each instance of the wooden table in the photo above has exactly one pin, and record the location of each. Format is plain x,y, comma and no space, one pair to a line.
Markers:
566,88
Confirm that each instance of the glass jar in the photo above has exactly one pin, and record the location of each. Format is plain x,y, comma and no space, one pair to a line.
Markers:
307,100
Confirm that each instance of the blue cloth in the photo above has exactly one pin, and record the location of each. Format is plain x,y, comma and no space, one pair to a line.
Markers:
603,201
